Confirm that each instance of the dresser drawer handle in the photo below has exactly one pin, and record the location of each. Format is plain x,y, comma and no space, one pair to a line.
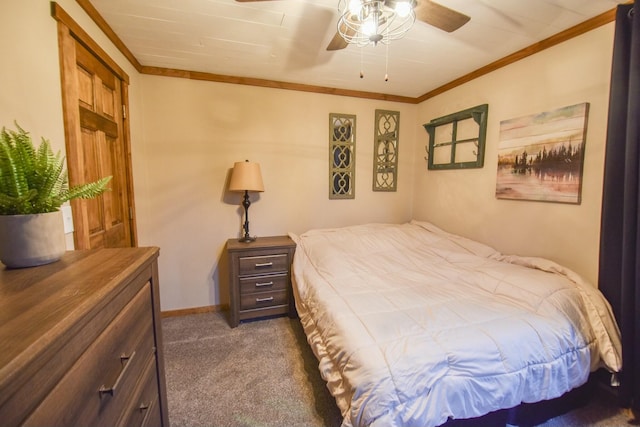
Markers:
267,299
263,284
146,408
126,362
263,264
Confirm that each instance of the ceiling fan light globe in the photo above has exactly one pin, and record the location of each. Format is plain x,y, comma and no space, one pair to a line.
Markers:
369,28
403,8
355,7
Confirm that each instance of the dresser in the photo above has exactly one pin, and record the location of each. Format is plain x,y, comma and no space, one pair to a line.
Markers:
81,341
260,278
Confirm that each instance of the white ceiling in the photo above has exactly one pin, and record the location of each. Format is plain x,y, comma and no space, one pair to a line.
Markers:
285,40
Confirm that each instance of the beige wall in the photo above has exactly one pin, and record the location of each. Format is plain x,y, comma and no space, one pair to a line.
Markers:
186,135
197,130
29,75
464,202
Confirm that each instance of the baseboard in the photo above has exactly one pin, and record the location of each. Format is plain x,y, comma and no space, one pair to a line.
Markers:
195,310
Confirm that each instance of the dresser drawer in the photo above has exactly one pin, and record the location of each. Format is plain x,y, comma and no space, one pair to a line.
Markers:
97,388
145,409
263,264
263,299
272,282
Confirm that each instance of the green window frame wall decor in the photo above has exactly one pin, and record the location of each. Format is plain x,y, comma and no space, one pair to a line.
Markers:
385,150
457,141
342,156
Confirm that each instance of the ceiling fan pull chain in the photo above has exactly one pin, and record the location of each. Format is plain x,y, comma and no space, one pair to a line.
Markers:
386,60
361,72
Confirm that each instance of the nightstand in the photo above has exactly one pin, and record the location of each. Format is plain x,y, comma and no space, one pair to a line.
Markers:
260,278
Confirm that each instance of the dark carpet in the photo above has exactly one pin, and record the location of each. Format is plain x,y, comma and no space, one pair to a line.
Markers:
264,374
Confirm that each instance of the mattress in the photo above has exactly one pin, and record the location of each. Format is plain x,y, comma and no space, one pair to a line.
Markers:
413,326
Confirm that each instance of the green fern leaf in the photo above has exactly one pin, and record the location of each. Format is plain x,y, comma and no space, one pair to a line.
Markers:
34,180
86,191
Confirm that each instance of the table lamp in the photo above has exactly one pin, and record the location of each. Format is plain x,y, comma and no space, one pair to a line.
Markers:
246,177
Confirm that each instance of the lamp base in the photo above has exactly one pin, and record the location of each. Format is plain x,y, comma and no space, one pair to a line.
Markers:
247,237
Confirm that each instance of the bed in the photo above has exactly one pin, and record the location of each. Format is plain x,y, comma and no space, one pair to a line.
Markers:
414,326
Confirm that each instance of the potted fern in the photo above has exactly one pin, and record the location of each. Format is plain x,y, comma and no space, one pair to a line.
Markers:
33,186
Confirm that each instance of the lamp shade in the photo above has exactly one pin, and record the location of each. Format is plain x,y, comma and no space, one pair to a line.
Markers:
246,176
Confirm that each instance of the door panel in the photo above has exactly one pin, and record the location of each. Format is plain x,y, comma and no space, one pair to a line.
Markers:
85,94
109,99
93,207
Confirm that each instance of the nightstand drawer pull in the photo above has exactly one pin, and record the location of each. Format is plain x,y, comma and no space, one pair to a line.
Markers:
261,285
267,299
126,362
263,264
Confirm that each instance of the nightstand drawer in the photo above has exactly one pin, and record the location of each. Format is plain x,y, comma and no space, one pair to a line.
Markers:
263,299
271,282
263,264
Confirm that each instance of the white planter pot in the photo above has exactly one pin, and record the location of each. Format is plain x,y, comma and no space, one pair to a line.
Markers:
30,240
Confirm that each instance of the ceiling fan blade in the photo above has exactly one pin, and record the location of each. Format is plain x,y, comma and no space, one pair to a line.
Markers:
439,16
250,1
338,42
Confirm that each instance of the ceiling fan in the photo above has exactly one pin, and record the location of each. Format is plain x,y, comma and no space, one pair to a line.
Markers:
425,10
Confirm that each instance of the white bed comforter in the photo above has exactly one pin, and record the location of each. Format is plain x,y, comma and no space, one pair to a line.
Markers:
412,325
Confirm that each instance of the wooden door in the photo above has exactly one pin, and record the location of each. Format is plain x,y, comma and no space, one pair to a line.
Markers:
94,98
100,109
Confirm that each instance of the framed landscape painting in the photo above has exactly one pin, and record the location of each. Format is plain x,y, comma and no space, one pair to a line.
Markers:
541,156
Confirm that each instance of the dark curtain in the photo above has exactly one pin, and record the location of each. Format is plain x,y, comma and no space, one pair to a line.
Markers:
619,274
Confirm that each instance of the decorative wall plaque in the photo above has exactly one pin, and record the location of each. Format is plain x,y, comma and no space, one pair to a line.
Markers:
385,150
342,156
